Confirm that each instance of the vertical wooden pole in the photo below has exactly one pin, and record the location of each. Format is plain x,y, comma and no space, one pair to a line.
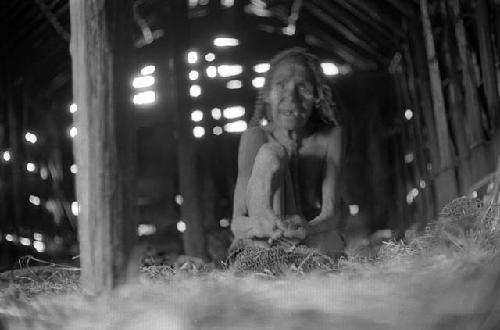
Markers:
456,108
418,82
472,107
104,145
488,70
445,180
189,174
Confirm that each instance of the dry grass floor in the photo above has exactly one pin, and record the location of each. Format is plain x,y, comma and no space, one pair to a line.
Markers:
447,277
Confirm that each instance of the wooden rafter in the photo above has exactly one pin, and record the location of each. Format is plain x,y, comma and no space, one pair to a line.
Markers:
336,45
380,17
358,27
409,9
344,35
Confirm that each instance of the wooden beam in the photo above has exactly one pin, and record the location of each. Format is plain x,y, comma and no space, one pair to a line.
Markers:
345,36
488,70
472,106
381,17
436,88
339,47
101,46
362,16
422,144
357,27
445,176
409,9
192,212
456,109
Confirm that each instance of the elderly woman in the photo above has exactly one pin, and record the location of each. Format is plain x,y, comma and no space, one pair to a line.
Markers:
288,170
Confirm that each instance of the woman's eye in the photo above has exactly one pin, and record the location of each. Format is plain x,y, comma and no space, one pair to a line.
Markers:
305,90
280,84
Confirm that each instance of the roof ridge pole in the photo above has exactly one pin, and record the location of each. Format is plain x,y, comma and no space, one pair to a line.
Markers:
445,175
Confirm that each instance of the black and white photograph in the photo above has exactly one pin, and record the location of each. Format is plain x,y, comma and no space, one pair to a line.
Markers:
250,164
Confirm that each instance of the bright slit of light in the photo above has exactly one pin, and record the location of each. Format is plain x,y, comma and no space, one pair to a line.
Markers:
289,30
329,69
409,158
211,71
233,112
197,115
179,199
30,167
233,84
44,173
198,132
192,57
229,70
39,246
258,82
216,113
236,126
226,42
146,229
193,75
73,108
227,3
147,97
217,130
24,241
75,209
73,169
181,226
147,70
9,238
353,209
224,223
73,131
31,138
6,156
209,57
143,81
195,90
37,236
35,200
408,114
261,67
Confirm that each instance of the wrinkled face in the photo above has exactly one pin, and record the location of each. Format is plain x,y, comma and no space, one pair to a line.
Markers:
291,94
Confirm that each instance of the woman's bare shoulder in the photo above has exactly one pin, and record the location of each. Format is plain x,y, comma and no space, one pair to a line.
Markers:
254,136
329,133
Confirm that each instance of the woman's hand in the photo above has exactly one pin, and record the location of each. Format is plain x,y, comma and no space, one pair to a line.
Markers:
295,228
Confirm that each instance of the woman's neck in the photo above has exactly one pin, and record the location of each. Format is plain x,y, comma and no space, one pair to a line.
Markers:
290,139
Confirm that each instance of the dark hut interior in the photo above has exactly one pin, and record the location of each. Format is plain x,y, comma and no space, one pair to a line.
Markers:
418,82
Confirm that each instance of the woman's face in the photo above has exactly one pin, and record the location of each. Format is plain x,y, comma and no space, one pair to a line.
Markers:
291,94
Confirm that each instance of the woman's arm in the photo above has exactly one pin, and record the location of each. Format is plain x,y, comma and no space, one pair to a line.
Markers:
250,143
328,219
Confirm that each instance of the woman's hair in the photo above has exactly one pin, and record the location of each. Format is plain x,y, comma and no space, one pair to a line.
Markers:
325,110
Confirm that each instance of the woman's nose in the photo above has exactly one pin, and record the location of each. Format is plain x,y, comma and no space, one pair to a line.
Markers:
291,90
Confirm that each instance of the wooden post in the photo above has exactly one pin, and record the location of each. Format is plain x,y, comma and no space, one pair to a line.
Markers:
418,84
104,145
487,59
189,174
472,107
445,179
456,108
